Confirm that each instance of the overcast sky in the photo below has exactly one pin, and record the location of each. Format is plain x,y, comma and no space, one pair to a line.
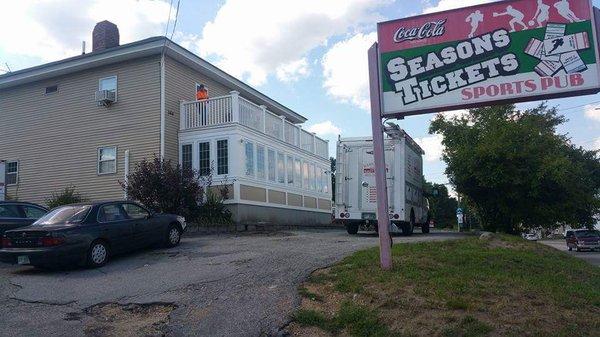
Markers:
308,54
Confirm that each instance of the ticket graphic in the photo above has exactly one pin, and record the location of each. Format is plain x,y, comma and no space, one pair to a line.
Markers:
572,62
548,68
568,43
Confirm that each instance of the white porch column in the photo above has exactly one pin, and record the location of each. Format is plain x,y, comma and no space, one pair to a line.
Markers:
235,106
314,146
282,127
264,118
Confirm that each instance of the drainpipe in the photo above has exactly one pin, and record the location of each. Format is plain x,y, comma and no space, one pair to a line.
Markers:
162,106
126,178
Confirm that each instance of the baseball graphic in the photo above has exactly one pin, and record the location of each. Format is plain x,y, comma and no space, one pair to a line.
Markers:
531,23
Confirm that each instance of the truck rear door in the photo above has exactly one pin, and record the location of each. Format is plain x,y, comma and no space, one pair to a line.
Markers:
367,180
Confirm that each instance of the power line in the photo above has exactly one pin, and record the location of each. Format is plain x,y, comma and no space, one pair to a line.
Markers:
176,18
169,18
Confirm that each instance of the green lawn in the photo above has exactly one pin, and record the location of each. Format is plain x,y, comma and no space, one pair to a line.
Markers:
505,286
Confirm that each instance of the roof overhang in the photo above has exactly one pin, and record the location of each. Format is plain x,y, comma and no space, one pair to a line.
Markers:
140,49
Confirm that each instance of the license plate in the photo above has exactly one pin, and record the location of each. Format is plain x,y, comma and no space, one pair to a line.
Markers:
23,259
369,216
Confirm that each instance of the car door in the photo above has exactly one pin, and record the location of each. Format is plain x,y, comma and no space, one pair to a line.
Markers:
145,226
117,228
11,217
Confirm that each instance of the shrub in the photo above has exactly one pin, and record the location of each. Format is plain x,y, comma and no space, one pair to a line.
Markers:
165,188
65,197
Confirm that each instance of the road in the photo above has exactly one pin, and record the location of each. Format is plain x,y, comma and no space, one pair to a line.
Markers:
591,257
225,285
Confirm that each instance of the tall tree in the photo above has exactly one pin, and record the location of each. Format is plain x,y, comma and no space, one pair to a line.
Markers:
442,207
517,171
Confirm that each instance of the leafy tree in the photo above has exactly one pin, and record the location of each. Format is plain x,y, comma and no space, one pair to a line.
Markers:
165,188
66,197
442,207
517,171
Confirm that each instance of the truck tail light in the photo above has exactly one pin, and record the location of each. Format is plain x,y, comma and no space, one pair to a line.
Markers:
6,242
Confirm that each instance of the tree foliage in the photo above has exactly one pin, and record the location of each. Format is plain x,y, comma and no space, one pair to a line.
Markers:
65,197
442,207
165,188
517,171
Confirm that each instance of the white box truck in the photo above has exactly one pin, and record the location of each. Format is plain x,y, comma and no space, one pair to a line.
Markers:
356,193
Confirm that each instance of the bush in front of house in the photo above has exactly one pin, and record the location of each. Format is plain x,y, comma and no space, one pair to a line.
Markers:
65,197
165,188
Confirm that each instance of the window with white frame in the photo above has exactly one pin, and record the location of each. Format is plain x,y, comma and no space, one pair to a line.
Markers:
326,177
204,159
222,157
290,170
11,174
280,168
108,83
249,150
260,162
319,179
107,160
186,156
271,166
298,173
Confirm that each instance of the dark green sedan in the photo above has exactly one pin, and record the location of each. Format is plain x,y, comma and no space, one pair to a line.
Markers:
89,234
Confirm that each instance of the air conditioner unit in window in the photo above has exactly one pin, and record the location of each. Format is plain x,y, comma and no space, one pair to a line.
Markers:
105,97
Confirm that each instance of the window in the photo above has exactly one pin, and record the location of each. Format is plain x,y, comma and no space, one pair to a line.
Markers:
135,212
9,211
65,214
311,175
107,160
319,179
51,89
249,159
280,168
186,156
326,178
305,183
290,170
204,159
222,157
110,213
33,212
260,162
271,165
108,83
298,173
11,174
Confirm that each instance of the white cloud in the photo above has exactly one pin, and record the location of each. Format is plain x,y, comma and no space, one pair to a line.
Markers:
324,129
432,145
253,39
444,5
592,112
293,71
346,70
52,30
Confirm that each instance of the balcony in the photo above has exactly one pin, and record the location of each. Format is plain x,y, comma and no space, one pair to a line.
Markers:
234,109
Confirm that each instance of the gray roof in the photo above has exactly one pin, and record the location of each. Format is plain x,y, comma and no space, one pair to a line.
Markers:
143,48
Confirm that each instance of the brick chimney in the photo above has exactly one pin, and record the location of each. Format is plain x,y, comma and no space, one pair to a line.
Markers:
105,36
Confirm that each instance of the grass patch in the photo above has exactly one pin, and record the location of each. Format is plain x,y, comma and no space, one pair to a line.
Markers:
311,296
505,286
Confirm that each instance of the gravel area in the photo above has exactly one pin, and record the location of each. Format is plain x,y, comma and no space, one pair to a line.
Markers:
216,285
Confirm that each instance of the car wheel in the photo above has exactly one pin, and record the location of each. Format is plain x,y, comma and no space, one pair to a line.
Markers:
173,236
570,248
425,228
97,255
352,228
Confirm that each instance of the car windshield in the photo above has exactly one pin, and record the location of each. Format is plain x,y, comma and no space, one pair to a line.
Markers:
587,234
63,215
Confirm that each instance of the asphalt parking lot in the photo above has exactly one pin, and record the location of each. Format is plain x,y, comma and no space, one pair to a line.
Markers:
591,257
217,285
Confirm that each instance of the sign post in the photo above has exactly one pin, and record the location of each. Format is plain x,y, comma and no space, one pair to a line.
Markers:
383,220
502,52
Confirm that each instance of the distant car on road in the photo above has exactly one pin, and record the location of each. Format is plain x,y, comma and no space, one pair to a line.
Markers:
89,234
531,237
15,214
583,239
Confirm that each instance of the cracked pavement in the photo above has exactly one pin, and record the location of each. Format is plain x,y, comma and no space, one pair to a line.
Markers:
222,285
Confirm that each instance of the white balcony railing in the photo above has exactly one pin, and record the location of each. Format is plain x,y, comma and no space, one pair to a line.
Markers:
235,109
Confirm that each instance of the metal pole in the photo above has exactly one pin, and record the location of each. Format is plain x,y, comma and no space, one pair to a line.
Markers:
383,220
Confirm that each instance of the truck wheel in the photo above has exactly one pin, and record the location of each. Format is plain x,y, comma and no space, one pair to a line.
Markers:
425,228
407,229
352,228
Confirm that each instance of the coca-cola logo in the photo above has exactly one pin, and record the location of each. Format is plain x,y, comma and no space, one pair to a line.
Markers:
426,31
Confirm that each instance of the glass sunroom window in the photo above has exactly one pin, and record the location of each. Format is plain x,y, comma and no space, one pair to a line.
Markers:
204,159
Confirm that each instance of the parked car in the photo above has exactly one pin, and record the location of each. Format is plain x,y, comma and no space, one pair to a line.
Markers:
89,234
15,214
531,237
583,239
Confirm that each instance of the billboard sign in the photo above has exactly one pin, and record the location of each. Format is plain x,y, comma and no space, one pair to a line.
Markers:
507,51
